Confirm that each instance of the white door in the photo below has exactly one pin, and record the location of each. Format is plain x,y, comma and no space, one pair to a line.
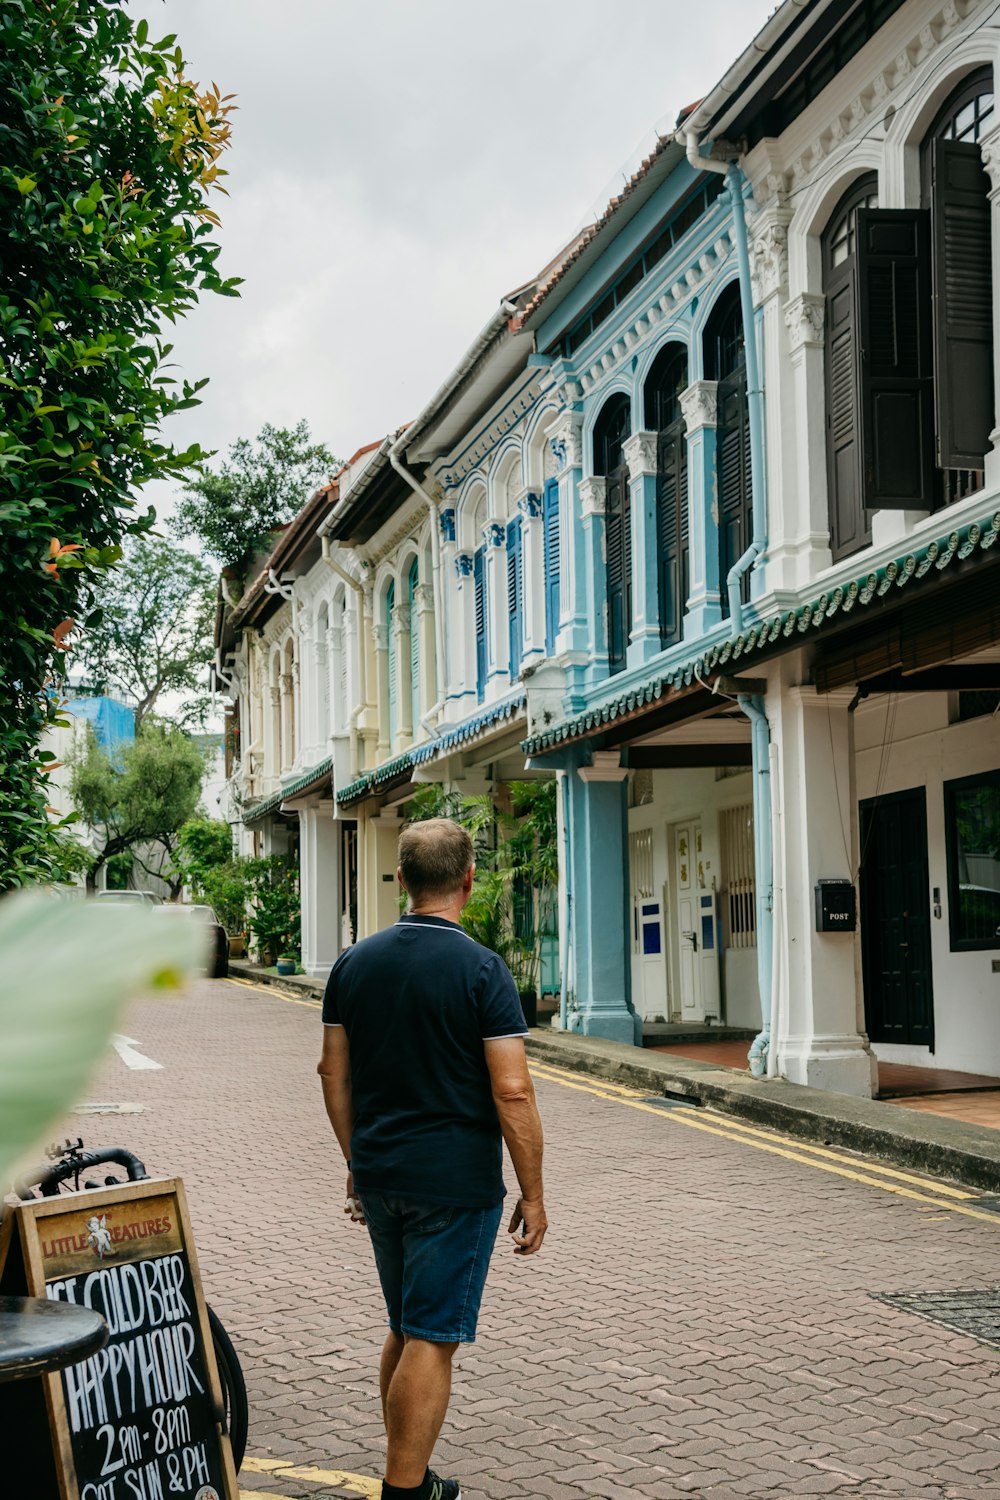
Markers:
687,858
649,970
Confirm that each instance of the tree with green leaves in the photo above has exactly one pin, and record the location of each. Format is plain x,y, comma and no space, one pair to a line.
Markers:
109,155
142,796
264,482
152,630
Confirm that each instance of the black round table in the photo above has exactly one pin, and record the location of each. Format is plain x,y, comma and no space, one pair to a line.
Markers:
38,1336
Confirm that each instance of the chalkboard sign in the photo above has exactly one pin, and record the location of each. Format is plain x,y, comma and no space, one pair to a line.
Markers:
142,1418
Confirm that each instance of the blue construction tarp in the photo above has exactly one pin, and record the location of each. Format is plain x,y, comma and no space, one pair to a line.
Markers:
113,722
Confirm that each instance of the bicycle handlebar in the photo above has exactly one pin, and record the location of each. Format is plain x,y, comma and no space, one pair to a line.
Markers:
51,1174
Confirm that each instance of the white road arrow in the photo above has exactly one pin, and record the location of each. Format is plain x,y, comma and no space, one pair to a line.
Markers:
125,1047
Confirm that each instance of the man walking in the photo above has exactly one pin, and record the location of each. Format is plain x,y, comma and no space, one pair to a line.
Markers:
423,1071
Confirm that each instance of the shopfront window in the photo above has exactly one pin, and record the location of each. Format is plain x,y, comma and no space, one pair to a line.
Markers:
972,828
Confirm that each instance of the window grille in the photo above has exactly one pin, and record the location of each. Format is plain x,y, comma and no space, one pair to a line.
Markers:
641,862
739,906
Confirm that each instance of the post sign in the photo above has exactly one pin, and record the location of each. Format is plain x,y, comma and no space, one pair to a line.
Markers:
143,1418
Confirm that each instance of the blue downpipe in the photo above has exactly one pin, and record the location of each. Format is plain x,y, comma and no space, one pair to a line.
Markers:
568,866
753,707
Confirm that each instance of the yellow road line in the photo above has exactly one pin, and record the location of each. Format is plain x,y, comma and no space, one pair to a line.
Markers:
682,1117
741,1128
359,1484
274,994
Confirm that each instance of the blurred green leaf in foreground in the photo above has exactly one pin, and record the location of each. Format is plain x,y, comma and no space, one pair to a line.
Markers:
67,969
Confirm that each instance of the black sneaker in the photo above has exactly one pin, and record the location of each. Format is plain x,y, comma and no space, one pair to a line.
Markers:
441,1489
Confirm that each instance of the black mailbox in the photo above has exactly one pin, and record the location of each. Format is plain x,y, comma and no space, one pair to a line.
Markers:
836,906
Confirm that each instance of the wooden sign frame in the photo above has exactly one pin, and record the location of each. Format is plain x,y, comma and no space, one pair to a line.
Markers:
160,1228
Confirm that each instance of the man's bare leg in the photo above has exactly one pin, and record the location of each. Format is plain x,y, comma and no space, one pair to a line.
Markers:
391,1350
415,1404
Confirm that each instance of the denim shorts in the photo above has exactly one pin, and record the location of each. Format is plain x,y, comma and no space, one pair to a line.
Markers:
432,1262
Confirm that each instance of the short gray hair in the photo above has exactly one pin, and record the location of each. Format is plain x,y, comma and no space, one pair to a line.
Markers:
434,857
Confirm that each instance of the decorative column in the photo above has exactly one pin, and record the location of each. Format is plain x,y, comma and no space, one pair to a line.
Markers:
401,625
380,640
593,504
599,915
462,690
990,148
769,275
532,577
497,619
699,403
644,639
337,716
800,548
427,653
287,684
273,733
572,647
319,888
819,1038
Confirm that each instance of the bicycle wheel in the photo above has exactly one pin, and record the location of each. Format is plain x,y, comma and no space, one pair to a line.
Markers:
234,1389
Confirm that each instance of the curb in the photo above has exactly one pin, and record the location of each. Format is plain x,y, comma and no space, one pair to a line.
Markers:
303,983
968,1154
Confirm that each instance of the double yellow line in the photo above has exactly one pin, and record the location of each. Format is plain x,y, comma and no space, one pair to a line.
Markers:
919,1190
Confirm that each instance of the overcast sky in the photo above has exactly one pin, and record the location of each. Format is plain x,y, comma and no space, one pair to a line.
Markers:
398,165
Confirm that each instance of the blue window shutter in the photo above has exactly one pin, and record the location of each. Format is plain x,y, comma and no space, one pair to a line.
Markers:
414,651
479,582
515,594
550,533
390,604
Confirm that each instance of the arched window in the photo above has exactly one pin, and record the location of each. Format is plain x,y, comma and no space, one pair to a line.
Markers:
956,192
725,362
850,521
613,426
667,379
411,599
392,665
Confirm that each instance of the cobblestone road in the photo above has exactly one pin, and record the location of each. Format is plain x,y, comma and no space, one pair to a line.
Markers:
701,1322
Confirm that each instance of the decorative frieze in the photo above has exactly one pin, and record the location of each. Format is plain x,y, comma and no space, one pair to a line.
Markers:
700,404
804,319
593,495
640,453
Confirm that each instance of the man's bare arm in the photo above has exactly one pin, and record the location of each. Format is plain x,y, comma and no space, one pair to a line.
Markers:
514,1097
334,1069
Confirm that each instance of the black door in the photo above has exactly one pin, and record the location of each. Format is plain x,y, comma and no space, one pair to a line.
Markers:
895,919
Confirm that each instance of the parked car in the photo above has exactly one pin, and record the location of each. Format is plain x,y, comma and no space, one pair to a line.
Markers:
217,943
130,898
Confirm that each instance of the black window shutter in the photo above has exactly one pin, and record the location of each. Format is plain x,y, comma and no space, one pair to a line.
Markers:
733,470
963,304
850,524
514,594
618,549
672,530
896,392
479,585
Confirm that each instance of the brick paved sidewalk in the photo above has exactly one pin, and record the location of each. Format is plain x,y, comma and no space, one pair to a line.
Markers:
700,1322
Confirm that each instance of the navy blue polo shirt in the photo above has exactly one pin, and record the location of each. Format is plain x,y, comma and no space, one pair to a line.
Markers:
417,1001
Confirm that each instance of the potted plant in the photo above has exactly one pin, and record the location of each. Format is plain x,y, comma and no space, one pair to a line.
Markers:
287,963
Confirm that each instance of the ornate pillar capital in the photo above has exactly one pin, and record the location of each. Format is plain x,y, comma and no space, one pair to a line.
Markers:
446,520
699,403
494,534
593,495
769,253
804,319
401,619
529,504
565,437
424,597
989,146
464,564
640,453
380,636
